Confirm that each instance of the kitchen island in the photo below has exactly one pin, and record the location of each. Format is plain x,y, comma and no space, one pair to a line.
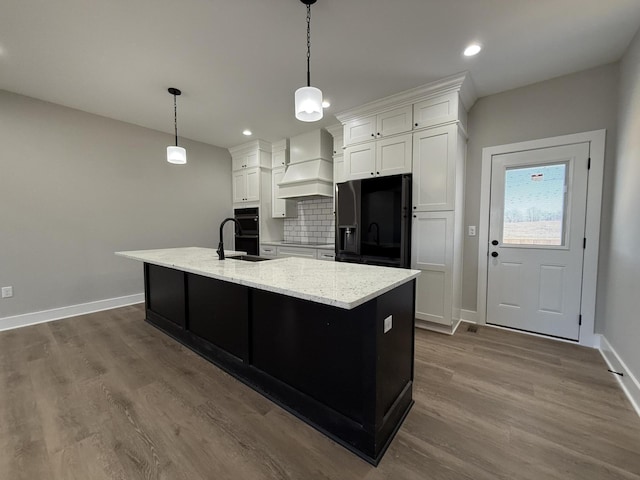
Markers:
330,342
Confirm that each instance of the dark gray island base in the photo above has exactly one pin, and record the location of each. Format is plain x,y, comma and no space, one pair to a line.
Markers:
333,368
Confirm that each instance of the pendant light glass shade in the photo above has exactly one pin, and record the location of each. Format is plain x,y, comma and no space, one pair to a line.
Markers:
177,155
308,104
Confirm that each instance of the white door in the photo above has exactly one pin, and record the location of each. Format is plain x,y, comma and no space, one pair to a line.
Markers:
536,239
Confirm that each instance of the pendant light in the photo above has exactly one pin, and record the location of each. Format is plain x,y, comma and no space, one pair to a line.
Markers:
308,99
177,155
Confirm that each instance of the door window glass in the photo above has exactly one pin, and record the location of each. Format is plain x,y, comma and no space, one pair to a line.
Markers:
535,205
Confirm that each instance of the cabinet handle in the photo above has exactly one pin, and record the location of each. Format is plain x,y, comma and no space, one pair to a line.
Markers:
415,216
416,124
378,133
371,173
373,135
377,173
415,208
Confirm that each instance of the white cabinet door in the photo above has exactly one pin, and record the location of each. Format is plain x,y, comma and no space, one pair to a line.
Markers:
338,169
436,111
398,120
360,130
432,252
281,208
434,165
253,184
301,252
393,155
239,186
326,255
360,161
279,159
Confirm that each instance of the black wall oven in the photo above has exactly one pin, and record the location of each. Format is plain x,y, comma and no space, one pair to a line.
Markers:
249,239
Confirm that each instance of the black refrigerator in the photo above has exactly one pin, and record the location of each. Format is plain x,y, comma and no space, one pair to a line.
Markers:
373,221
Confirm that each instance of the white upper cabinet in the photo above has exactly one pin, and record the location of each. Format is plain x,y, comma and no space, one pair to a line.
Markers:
360,130
281,208
250,155
280,153
391,122
360,161
253,185
436,111
239,186
389,156
246,185
338,169
394,121
434,168
393,155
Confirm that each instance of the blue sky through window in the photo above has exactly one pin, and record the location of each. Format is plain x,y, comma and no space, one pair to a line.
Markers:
534,194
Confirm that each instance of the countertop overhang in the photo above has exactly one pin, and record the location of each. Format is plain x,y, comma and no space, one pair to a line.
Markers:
339,284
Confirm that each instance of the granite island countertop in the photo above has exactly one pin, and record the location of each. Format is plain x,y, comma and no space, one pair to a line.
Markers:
343,285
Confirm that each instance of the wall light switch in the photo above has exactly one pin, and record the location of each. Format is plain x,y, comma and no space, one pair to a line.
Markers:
472,230
7,292
388,323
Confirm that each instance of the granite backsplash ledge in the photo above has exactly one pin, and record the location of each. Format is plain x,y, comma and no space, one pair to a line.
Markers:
315,222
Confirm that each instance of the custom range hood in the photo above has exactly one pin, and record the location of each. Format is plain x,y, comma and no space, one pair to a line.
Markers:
310,170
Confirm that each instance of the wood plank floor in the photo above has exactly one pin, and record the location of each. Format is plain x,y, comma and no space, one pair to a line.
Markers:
107,396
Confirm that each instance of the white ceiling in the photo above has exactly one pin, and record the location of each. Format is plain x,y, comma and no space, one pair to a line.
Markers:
238,62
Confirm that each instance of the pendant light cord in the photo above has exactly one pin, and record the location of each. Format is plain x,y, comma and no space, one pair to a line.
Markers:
308,44
175,117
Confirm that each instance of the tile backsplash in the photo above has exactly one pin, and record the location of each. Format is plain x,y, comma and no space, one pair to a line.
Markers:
315,222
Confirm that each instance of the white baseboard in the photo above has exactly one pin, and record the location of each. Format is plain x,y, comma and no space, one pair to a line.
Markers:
7,323
435,327
469,316
628,382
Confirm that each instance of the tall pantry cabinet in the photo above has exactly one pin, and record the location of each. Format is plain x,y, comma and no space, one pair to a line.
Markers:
427,129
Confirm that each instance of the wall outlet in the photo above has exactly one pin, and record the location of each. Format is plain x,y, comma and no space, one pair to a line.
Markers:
388,323
7,292
472,230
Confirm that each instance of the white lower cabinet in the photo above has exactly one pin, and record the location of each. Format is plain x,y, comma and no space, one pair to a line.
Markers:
268,251
327,255
432,253
283,251
301,252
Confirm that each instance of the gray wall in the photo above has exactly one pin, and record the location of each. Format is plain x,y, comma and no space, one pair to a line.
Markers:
571,104
76,187
622,281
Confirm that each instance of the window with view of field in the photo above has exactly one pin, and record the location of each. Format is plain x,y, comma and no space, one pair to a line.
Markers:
534,205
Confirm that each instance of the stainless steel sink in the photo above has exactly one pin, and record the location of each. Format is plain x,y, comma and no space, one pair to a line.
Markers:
249,258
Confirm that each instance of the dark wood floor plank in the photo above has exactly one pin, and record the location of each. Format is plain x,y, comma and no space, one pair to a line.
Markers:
108,397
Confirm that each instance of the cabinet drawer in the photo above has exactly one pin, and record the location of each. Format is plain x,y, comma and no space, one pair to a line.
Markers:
301,252
268,250
327,255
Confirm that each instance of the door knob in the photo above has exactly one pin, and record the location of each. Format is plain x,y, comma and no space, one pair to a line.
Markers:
494,242
494,254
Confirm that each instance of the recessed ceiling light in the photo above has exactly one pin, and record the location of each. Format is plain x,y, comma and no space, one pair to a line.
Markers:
325,104
247,132
472,50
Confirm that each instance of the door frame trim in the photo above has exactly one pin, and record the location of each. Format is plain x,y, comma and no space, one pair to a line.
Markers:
596,140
